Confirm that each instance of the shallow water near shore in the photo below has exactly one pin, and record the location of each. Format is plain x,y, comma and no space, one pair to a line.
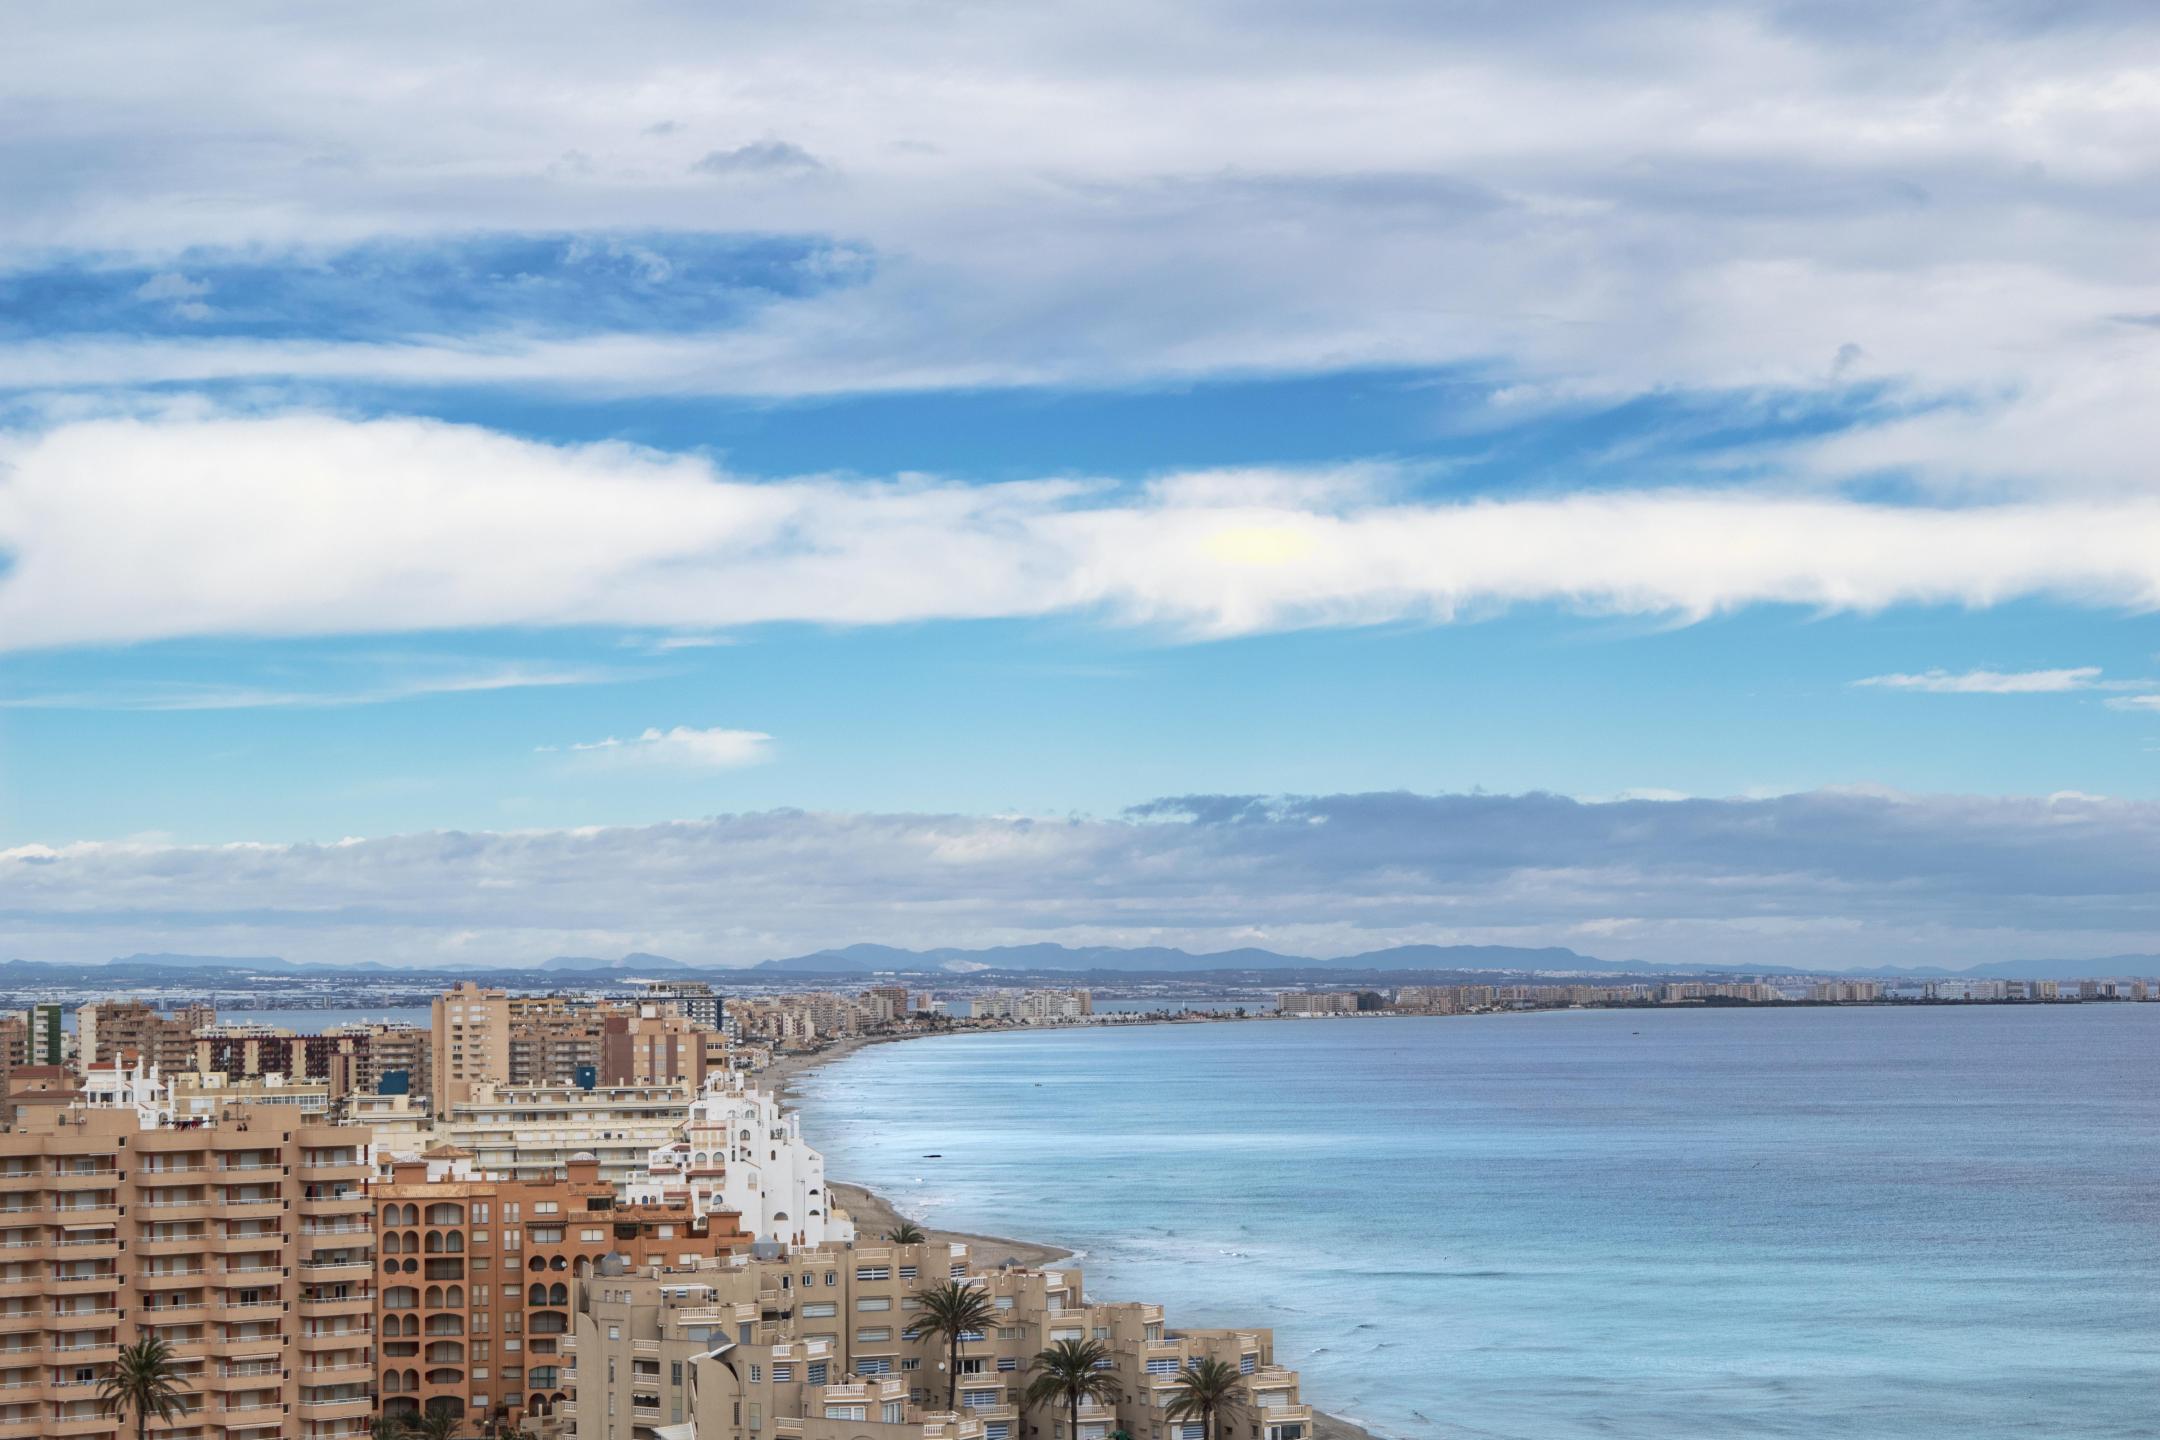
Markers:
1865,1223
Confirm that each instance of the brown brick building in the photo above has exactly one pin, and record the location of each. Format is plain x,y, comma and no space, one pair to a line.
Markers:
476,1279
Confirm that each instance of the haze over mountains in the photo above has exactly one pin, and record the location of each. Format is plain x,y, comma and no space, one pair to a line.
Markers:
861,961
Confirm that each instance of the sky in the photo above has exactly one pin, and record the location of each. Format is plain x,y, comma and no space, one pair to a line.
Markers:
1673,480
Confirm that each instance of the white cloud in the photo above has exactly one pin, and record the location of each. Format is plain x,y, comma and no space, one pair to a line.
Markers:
684,746
186,695
127,530
1991,682
1864,877
1702,195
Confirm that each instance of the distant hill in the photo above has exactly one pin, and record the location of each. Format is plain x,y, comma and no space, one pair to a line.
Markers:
168,961
636,961
1158,960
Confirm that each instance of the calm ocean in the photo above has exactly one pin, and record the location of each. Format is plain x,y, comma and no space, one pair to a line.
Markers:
1701,1225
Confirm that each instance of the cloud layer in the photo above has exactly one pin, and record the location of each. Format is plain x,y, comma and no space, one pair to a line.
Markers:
127,530
1829,878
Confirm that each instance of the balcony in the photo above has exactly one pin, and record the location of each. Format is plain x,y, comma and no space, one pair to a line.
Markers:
171,1244
356,1304
77,1283
15,1322
87,1247
190,1312
180,1207
328,1171
343,1268
321,1340
341,1407
228,1243
184,1278
100,1210
88,1352
104,1177
325,1373
100,1424
95,1317
251,1207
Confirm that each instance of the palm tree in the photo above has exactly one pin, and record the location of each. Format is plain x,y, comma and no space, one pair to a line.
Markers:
143,1380
1203,1390
907,1232
953,1310
439,1424
1070,1372
388,1427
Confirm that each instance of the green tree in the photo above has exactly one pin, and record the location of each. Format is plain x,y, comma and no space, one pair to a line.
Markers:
144,1381
1070,1373
954,1311
440,1423
388,1427
907,1232
1203,1390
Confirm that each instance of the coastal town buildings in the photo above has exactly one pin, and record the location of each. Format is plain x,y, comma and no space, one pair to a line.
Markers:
242,1241
812,1344
108,1029
479,1274
469,1029
531,1131
737,1151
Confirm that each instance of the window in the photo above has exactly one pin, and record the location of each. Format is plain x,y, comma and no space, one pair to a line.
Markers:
907,1272
782,1374
1246,1364
832,1277
873,1365
873,1334
1164,1366
874,1302
816,1375
587,1237
819,1310
1007,1362
872,1272
912,1362
757,1373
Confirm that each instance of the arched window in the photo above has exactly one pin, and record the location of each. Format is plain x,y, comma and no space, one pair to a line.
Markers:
445,1213
454,1297
434,1297
400,1297
558,1295
537,1295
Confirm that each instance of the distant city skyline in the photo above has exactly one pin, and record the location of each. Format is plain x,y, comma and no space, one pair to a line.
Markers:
1665,480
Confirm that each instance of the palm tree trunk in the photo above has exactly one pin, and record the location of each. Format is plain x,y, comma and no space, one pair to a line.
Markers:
1075,1435
952,1374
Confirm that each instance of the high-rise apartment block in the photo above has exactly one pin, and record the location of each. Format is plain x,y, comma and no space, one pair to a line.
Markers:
470,1026
479,1276
243,1242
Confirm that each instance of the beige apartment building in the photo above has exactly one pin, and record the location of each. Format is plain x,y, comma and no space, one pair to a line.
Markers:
470,1030
529,1132
810,1345
244,1241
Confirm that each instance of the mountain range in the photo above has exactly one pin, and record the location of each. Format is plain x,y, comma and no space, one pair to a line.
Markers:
862,960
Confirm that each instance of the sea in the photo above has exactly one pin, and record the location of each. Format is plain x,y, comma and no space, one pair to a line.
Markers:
1877,1223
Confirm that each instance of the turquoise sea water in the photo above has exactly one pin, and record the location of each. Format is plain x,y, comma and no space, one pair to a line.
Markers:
1862,1223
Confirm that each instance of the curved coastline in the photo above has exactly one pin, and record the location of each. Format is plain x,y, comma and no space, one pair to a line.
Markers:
873,1213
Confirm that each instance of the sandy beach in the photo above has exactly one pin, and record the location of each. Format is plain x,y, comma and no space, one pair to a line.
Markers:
874,1215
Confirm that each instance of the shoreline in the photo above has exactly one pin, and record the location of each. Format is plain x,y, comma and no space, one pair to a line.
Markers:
874,1215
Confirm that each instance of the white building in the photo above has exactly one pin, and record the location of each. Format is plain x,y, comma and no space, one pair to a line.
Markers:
738,1150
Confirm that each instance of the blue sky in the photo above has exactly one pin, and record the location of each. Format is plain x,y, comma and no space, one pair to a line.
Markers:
985,422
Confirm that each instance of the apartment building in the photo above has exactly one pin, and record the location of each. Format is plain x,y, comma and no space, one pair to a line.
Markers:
652,1046
242,1240
478,1273
106,1030
1319,1002
553,1039
1846,992
737,1151
531,1131
387,1050
44,1041
469,1028
694,1000
811,1344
